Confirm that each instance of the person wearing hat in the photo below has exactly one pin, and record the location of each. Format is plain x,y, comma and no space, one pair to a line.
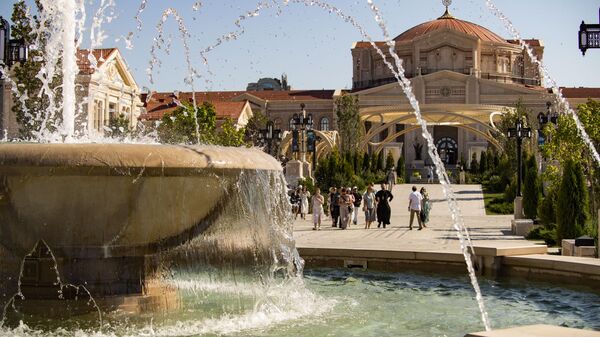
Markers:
357,202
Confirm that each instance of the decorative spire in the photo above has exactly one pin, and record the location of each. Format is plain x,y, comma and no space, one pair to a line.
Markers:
447,14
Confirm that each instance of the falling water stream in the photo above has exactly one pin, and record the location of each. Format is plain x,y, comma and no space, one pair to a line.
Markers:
564,106
235,278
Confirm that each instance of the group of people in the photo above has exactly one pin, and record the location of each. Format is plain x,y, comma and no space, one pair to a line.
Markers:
346,203
419,205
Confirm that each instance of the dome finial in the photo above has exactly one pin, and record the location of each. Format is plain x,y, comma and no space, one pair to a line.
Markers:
447,14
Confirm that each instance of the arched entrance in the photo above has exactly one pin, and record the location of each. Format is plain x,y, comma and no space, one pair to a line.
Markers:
447,148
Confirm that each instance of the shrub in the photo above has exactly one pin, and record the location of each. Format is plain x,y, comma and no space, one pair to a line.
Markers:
546,209
510,192
546,233
501,207
495,184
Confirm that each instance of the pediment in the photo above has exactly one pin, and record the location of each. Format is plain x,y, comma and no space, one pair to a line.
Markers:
114,71
254,100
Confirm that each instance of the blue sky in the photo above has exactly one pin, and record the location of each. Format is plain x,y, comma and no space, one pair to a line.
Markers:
313,47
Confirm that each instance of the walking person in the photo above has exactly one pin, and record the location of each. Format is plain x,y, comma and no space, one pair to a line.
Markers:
414,207
384,211
430,174
425,207
351,200
346,207
357,202
391,179
304,196
295,201
317,206
369,206
334,206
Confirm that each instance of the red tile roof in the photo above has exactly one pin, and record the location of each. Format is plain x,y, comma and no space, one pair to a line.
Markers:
83,62
164,102
447,22
580,92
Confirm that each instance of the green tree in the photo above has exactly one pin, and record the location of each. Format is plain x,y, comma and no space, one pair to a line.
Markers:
229,135
255,123
474,165
366,163
483,163
379,162
531,189
401,169
571,202
34,105
348,119
389,162
179,126
119,127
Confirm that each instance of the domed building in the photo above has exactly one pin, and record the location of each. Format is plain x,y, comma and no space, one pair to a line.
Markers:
463,75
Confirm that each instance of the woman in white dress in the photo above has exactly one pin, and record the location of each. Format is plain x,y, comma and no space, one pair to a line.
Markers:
304,196
317,206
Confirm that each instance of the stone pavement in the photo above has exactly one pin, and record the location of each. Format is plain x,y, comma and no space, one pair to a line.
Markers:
439,236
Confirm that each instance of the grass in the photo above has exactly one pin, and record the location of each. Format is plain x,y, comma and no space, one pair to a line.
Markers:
496,205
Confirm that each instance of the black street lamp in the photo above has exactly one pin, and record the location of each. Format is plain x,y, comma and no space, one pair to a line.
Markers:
301,124
544,119
519,132
589,36
11,50
269,136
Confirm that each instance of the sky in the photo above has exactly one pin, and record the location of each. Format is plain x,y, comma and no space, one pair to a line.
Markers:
311,45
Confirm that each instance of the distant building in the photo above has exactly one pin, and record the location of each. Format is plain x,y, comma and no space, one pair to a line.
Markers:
159,104
278,106
270,84
109,87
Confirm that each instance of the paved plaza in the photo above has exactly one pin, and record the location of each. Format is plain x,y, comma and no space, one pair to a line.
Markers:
439,236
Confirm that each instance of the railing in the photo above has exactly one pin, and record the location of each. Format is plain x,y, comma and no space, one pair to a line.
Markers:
511,79
465,71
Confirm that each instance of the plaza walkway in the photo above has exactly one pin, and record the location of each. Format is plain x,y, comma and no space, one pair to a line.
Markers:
440,236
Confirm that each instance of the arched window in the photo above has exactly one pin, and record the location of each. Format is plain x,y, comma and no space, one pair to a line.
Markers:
324,124
277,124
291,124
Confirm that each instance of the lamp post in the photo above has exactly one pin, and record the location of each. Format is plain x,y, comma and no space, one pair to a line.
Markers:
519,132
544,119
302,123
11,50
589,36
268,136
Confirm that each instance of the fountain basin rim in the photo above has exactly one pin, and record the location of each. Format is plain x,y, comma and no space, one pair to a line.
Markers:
130,159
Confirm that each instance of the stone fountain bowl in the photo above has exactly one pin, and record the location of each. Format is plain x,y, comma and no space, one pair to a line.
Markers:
106,197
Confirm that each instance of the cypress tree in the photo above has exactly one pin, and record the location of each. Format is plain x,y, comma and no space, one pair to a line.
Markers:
373,159
400,169
571,202
474,165
380,161
483,163
389,162
366,163
531,189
